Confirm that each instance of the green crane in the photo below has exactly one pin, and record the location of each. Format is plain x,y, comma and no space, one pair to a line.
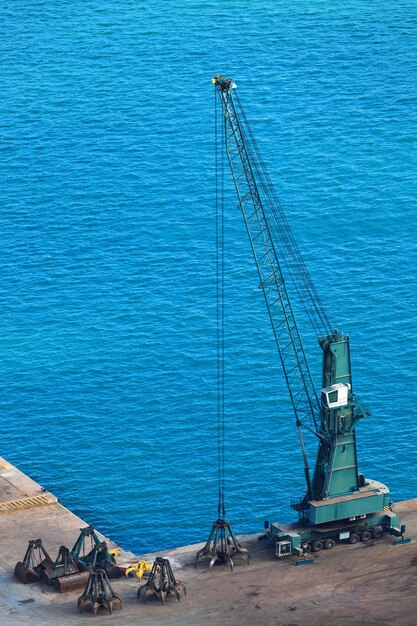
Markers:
336,491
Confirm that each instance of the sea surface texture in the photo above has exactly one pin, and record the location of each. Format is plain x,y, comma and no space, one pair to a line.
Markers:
107,243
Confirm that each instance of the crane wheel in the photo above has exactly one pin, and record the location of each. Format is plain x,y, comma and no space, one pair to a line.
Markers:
354,538
316,545
329,544
377,532
365,536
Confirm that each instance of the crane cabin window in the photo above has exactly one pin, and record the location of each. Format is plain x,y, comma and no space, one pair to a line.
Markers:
332,397
335,395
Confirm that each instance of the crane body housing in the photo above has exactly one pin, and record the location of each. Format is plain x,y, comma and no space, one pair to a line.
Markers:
339,503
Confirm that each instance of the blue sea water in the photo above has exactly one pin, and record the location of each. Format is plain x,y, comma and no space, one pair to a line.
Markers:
107,289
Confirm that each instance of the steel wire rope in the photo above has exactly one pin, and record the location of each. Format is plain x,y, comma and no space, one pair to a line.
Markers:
222,330
220,312
291,253
259,173
295,266
300,275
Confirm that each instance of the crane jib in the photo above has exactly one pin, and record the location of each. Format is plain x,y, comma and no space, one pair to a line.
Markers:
293,358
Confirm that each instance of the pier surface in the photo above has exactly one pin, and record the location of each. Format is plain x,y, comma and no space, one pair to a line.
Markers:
362,584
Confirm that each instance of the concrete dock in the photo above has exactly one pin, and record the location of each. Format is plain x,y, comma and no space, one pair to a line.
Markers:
362,584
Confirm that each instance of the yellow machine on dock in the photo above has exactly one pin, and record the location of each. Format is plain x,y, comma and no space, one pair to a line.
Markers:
140,568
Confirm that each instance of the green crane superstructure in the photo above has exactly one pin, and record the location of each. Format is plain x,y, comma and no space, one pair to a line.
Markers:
336,491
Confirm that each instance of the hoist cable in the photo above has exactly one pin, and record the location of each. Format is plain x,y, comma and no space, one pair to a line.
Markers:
300,276
278,222
220,332
302,281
